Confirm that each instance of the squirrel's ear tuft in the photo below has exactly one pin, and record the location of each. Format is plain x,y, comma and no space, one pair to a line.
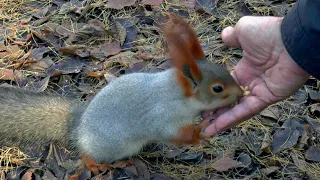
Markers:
184,48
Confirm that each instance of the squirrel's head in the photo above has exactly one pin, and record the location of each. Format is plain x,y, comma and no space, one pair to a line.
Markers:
209,83
216,88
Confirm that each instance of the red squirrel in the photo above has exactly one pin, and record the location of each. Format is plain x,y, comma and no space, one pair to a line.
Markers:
131,110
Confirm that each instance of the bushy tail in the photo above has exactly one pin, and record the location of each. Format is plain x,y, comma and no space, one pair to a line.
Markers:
185,49
30,117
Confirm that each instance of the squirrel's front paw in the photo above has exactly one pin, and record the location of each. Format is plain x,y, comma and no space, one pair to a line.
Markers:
201,127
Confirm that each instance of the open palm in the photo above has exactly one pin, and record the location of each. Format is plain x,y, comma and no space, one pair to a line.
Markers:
266,68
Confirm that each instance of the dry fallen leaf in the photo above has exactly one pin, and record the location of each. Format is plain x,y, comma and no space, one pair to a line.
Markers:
313,153
144,56
298,161
225,164
152,2
27,175
131,170
119,4
271,112
208,6
48,175
269,170
284,139
38,53
10,74
103,51
188,3
142,169
120,164
11,52
293,124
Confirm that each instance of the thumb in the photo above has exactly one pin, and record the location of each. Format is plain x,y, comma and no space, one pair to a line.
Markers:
230,37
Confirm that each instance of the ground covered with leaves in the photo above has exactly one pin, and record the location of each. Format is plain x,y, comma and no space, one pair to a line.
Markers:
74,48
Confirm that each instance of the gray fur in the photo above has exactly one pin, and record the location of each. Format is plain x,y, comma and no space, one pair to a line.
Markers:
128,113
136,109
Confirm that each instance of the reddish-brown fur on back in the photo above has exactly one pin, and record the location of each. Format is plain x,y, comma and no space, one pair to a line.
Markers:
184,48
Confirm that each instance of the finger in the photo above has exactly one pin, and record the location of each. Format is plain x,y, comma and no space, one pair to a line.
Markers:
229,37
246,109
213,114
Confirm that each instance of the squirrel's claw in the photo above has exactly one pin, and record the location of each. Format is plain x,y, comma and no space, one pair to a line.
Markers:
203,125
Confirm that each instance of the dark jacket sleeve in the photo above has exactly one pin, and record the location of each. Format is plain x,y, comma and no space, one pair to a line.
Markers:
300,32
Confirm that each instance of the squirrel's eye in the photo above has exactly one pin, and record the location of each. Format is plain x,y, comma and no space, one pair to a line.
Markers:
217,88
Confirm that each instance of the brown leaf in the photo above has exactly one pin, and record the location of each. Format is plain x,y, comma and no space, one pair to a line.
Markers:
73,65
123,57
41,21
120,164
119,4
39,86
18,161
27,175
142,169
40,66
144,56
271,112
299,162
42,12
105,50
97,23
152,2
48,175
38,53
131,170
188,3
313,153
131,32
11,52
25,56
75,50
284,139
208,6
10,74
94,74
253,140
269,170
63,31
293,124
225,164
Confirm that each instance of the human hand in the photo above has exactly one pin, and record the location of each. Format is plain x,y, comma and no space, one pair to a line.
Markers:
266,68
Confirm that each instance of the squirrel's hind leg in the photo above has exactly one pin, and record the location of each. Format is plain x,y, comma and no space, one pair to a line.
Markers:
93,166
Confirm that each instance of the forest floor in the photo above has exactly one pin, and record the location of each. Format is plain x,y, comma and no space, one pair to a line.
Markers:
75,47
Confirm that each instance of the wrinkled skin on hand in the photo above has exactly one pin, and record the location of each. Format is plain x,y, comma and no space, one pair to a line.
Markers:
266,68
